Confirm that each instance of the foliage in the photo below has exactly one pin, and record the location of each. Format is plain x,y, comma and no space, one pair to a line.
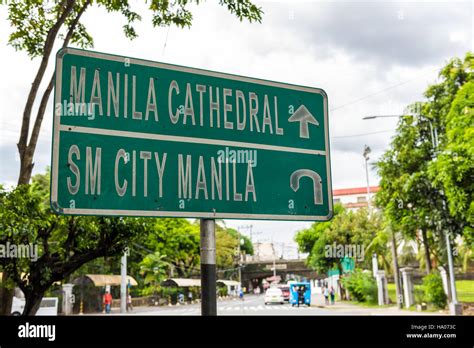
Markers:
64,243
226,247
361,286
222,291
433,290
32,20
178,239
246,247
154,269
410,198
453,169
346,228
36,26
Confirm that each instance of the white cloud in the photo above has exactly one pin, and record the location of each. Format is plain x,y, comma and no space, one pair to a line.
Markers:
368,58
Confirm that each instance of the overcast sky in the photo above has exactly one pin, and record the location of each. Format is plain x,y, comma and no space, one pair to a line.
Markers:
370,57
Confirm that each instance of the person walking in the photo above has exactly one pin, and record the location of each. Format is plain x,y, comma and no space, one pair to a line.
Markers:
190,296
129,303
332,295
107,302
241,294
326,295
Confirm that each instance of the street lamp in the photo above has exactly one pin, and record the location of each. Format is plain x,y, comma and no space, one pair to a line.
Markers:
434,143
433,130
366,153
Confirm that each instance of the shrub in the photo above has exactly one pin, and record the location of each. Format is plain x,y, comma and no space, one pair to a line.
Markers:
433,290
222,290
419,295
361,286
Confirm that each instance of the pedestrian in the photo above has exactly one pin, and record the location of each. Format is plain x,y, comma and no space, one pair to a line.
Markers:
241,294
107,301
129,303
190,296
332,294
326,295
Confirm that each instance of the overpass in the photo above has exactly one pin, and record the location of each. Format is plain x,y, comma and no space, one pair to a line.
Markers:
254,272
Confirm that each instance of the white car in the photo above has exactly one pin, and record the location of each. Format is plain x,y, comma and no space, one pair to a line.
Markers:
274,295
48,306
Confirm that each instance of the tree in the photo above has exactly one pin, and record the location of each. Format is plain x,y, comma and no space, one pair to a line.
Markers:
453,169
307,238
226,247
38,25
154,268
178,239
246,247
64,243
411,201
326,242
347,228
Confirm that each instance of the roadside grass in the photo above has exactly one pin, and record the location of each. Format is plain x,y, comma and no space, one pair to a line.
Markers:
464,288
465,292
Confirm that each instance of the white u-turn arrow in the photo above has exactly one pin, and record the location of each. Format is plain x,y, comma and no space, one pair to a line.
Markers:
317,183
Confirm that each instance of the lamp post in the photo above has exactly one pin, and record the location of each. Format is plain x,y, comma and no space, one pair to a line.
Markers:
434,143
366,153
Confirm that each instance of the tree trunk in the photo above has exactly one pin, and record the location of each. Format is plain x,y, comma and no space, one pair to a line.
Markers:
33,301
26,157
342,291
426,248
27,149
26,167
30,150
6,295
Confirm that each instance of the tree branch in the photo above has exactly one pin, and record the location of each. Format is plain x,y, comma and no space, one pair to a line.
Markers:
25,125
44,100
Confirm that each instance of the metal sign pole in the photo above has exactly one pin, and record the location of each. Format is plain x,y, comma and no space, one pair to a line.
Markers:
208,268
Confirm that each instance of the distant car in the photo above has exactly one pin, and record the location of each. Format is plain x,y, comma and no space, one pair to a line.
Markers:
48,306
274,295
286,292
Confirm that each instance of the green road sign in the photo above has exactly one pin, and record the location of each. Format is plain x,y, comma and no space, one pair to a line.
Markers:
139,138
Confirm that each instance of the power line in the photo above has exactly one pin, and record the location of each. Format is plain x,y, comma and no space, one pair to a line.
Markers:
381,91
362,134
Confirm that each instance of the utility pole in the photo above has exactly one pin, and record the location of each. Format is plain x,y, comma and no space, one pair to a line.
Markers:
434,143
208,267
398,290
274,266
366,153
123,283
454,297
239,257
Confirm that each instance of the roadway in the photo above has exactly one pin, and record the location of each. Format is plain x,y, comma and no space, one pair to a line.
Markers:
254,305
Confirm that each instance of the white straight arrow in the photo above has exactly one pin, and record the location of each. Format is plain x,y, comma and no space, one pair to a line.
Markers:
303,116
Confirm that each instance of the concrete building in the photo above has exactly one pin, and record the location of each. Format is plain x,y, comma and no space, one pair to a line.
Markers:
262,252
354,198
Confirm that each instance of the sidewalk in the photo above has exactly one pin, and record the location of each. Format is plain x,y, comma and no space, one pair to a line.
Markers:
345,308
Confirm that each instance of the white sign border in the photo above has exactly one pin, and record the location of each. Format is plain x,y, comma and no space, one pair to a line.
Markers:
157,213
